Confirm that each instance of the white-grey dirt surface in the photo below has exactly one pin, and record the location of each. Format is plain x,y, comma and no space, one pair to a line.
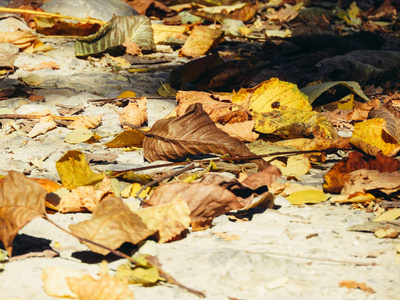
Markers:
290,252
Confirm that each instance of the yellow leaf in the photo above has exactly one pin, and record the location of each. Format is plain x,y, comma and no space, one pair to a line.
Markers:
346,103
389,215
79,135
371,136
310,196
86,122
74,170
141,272
386,233
269,94
127,138
55,281
135,188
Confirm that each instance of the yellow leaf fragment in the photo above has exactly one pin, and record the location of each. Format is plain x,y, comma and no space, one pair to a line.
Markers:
354,198
127,138
105,288
386,233
389,215
86,122
372,136
80,135
201,40
142,271
127,94
310,196
346,103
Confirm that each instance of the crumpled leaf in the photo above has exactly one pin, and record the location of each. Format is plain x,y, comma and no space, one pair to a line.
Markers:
112,224
237,11
106,287
390,215
243,131
136,29
392,117
201,40
84,198
135,113
371,180
372,136
86,122
21,200
20,38
192,133
307,196
55,281
127,138
169,219
314,91
74,170
217,106
8,54
338,175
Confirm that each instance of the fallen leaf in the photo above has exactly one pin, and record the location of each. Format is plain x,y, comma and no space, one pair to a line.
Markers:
74,170
86,122
106,287
112,224
243,131
307,196
338,175
169,219
356,285
42,66
390,215
113,34
192,133
21,200
55,281
32,79
372,136
354,198
135,113
20,38
392,117
127,138
84,198
142,272
371,180
81,135
237,11
8,54
201,40
386,233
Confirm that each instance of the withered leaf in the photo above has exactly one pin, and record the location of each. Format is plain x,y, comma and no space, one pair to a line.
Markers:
201,40
193,133
111,225
371,180
21,200
392,117
205,201
135,112
338,175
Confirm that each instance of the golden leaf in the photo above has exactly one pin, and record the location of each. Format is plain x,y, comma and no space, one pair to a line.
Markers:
307,196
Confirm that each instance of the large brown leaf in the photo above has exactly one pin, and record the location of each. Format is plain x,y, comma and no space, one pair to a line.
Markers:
21,200
190,134
112,224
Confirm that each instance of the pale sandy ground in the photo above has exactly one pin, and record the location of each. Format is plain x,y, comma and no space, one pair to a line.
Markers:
286,253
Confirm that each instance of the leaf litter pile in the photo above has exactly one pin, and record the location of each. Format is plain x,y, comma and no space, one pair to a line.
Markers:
266,92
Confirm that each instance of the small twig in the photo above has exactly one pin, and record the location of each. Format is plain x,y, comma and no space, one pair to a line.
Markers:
17,116
158,180
128,98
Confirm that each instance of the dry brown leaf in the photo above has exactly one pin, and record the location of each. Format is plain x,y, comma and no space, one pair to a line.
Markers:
361,110
238,11
42,66
131,48
84,198
338,175
392,117
21,200
218,107
111,225
106,287
205,201
46,124
135,113
371,180
201,40
86,122
192,133
243,131
169,219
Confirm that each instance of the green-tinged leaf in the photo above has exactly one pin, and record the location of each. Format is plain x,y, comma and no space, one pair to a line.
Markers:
74,170
308,196
141,272
390,215
131,176
136,29
127,138
314,91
